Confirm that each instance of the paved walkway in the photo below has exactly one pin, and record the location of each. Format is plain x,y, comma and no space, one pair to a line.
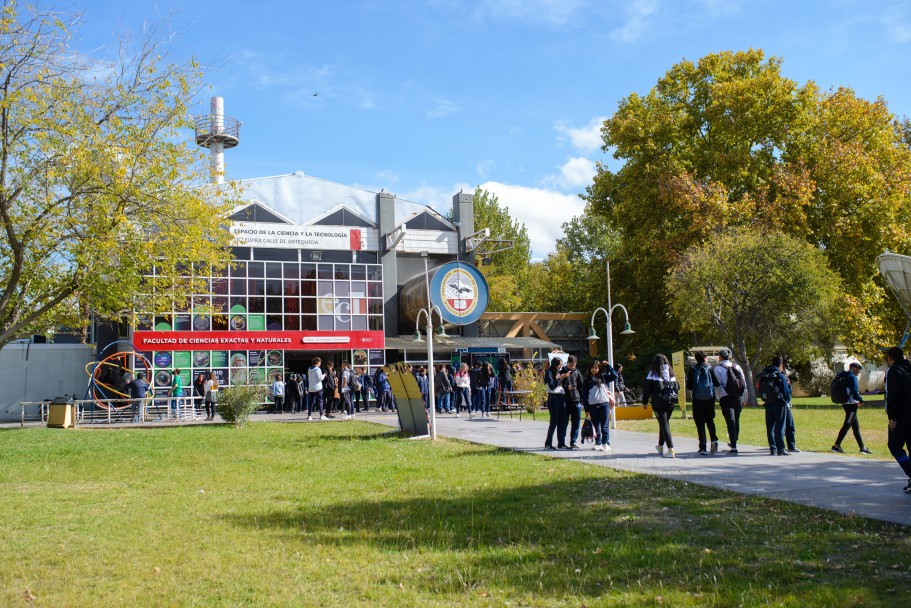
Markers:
871,488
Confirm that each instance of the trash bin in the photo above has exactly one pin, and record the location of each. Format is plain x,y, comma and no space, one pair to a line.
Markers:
61,413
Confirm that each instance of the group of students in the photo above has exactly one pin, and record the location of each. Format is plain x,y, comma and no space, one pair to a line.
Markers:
725,383
328,391
473,390
569,393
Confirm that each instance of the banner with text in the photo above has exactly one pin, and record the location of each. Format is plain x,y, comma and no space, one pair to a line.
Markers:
287,236
282,340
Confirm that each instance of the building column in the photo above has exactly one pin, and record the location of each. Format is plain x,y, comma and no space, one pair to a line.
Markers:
463,218
385,213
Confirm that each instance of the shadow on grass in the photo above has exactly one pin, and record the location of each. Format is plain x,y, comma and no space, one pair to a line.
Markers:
591,533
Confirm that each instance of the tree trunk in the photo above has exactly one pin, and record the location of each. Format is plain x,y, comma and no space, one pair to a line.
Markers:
747,372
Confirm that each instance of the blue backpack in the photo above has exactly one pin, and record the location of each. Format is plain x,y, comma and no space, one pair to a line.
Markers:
703,387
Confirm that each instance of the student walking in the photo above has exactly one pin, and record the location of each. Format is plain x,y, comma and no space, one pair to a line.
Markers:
898,409
853,400
315,378
556,404
345,390
661,388
596,396
773,389
702,381
210,395
731,392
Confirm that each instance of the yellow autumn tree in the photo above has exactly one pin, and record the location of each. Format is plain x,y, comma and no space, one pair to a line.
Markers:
98,182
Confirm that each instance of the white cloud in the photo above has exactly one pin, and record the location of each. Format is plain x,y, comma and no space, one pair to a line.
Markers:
542,211
585,139
442,107
555,13
577,173
638,16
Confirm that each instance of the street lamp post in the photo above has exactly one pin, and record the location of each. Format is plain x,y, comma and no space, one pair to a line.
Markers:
627,330
428,312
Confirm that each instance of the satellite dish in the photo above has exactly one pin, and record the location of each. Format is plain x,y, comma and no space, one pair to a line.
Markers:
896,269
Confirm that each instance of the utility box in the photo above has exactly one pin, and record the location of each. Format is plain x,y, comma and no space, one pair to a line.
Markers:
61,413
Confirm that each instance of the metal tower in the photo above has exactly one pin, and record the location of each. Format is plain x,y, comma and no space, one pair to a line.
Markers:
218,133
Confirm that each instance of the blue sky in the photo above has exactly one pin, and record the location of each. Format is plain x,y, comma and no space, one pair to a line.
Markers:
426,98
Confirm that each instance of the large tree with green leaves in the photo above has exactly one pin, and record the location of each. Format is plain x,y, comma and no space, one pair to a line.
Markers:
759,293
507,272
97,179
728,141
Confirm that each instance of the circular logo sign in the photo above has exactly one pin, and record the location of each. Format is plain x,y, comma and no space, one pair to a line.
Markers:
459,289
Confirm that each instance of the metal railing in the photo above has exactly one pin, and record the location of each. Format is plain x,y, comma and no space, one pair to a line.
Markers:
120,411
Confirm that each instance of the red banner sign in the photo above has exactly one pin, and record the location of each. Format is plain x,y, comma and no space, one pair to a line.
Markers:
242,340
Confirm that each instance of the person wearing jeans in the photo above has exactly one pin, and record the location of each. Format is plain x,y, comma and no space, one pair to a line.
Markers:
702,382
597,400
776,394
462,390
443,390
315,377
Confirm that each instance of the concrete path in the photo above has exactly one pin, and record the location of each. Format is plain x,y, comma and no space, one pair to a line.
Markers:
871,488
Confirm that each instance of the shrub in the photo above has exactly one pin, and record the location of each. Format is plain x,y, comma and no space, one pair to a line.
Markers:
529,379
237,403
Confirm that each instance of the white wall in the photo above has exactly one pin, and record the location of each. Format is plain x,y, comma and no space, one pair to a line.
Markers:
34,372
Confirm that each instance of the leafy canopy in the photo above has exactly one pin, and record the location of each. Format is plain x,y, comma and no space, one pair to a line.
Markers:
729,142
97,179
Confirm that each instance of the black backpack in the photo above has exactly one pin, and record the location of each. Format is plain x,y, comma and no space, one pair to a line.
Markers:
354,382
735,385
767,387
668,392
838,390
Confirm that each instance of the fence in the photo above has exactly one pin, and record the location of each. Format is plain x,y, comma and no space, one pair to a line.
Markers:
120,411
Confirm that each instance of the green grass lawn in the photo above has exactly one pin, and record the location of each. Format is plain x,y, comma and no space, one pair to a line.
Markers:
817,428
344,514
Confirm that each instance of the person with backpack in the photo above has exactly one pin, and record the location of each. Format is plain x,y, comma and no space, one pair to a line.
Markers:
662,389
384,390
702,381
596,397
344,380
898,409
845,391
772,387
731,393
475,405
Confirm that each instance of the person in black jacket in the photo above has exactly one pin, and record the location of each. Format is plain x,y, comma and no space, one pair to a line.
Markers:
661,388
293,393
773,381
556,404
572,386
898,409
